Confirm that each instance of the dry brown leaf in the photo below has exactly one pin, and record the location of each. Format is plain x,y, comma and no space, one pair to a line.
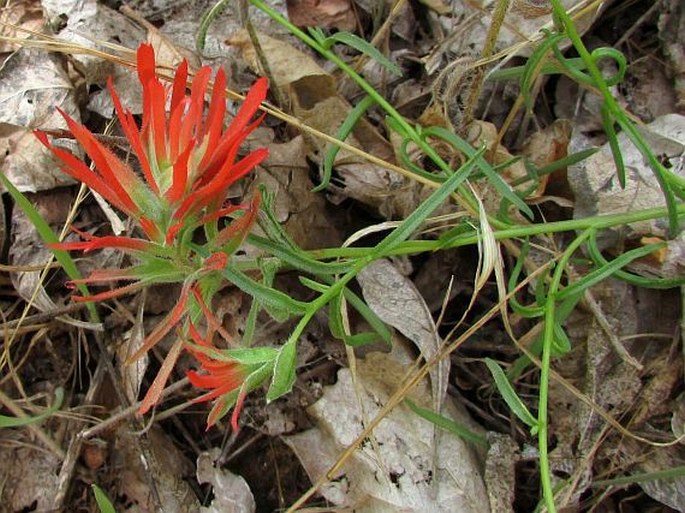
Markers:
302,212
26,14
32,84
166,467
316,103
598,192
231,494
392,472
671,30
395,299
322,13
545,147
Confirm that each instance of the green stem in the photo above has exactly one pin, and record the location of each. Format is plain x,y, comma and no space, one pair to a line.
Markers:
409,130
545,363
663,176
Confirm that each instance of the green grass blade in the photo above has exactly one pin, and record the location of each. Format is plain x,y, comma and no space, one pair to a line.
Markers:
343,132
364,47
447,424
12,422
418,216
49,237
512,399
103,502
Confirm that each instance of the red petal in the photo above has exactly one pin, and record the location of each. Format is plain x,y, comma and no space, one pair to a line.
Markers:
179,89
180,176
78,170
115,173
146,63
216,112
132,133
164,326
155,391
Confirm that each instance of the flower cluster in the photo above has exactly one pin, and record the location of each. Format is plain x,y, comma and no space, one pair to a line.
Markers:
188,161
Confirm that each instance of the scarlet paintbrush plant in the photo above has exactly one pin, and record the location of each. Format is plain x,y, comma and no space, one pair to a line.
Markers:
188,162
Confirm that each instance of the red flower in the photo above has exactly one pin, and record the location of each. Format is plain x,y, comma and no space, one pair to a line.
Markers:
188,163
224,378
188,160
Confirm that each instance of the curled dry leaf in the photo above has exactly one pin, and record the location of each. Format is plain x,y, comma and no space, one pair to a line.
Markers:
90,23
165,467
393,470
523,22
301,211
25,14
671,30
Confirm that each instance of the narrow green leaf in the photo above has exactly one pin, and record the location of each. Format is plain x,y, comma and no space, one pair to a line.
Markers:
11,422
103,502
49,237
612,137
633,279
495,179
366,48
561,344
447,424
343,132
516,405
535,64
419,215
273,300
609,269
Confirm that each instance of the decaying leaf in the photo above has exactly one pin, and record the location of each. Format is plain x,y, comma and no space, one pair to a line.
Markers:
32,84
302,212
231,493
89,21
395,299
28,249
671,29
393,471
597,191
545,147
316,103
500,472
322,13
165,468
523,21
25,14
31,480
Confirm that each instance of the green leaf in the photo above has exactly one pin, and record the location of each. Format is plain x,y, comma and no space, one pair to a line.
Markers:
278,304
495,179
535,64
103,502
561,344
516,405
633,279
447,424
284,371
364,47
49,237
343,132
607,270
414,220
11,422
612,137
